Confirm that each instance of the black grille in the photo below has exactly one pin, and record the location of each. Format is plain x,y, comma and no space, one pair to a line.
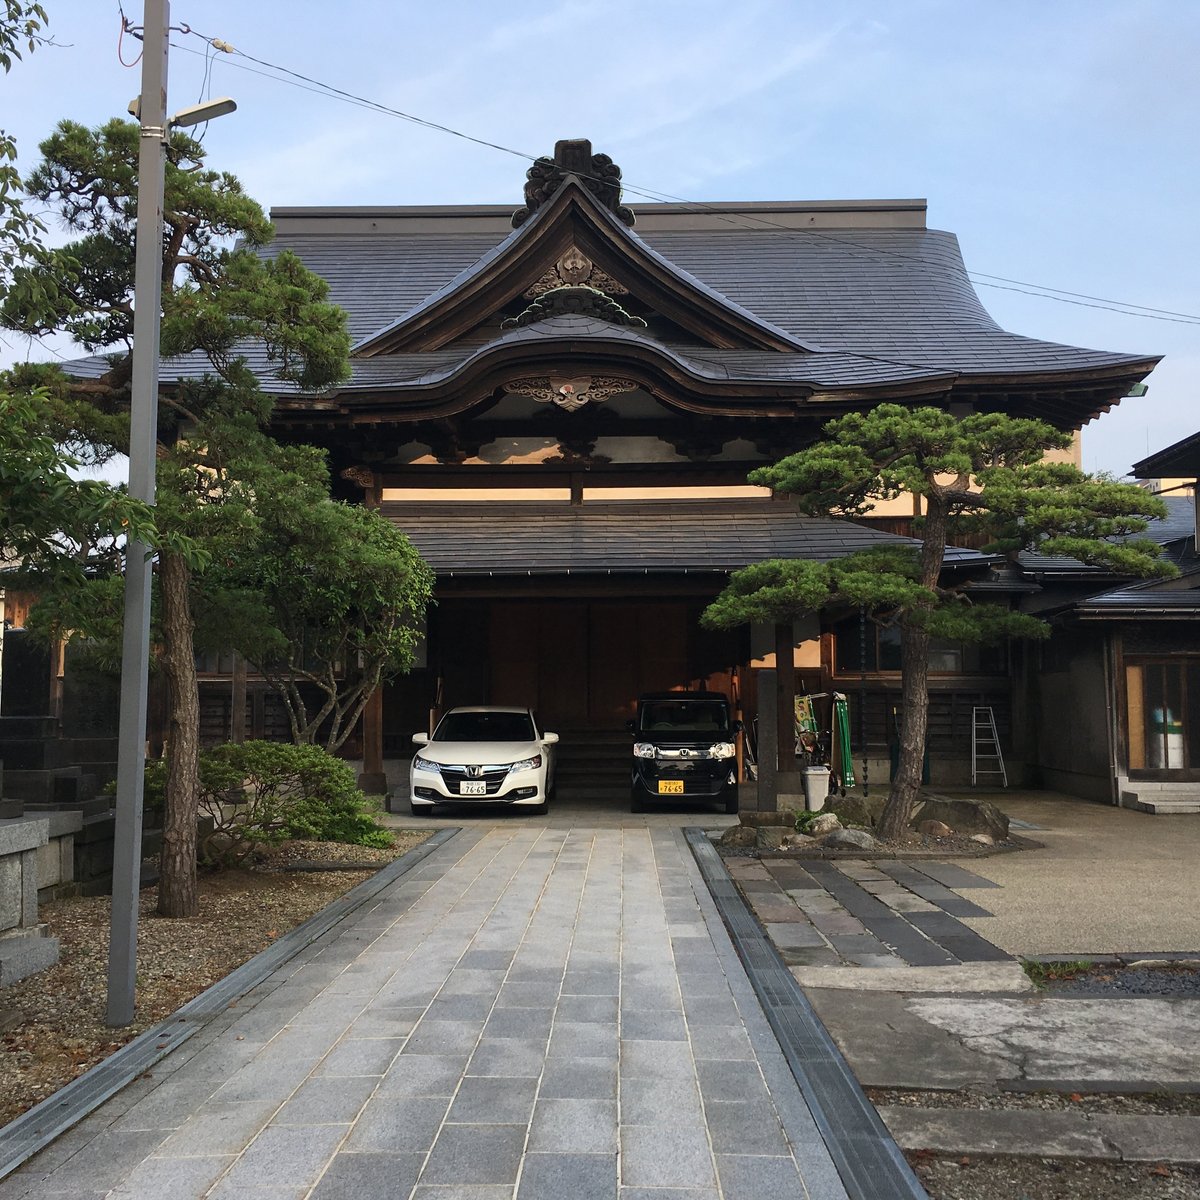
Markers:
493,777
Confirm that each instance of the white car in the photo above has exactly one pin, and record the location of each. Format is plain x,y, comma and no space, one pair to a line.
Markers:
484,756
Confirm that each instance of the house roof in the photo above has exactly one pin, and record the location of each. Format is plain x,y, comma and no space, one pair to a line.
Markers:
1179,523
1179,460
665,537
1164,599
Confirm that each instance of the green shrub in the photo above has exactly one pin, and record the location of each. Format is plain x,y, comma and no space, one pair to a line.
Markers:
269,792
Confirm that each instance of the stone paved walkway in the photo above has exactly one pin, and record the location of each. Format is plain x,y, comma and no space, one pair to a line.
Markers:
851,912
535,1012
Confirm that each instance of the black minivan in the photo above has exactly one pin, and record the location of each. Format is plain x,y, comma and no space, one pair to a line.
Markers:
683,749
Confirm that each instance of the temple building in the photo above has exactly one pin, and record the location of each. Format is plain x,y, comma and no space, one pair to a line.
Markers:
560,406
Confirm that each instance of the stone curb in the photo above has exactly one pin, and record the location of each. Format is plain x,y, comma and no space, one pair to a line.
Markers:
1109,1137
23,1137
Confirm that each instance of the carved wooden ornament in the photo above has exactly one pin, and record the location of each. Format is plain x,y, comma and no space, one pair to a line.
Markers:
570,394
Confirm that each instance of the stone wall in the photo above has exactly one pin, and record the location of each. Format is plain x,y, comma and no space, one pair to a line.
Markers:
24,946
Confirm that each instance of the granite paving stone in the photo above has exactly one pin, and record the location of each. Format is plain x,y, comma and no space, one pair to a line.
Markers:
482,1100
744,1127
357,1176
563,1126
407,1125
578,1176
757,1177
666,1156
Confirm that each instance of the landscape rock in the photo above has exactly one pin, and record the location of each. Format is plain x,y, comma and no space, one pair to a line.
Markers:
797,841
849,839
964,816
739,837
826,822
935,829
769,837
854,809
984,839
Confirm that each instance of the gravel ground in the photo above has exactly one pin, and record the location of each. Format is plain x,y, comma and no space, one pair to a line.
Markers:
1173,1104
54,1021
1113,980
1043,1179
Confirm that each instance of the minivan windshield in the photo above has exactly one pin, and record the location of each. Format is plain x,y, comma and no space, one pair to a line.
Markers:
485,727
684,716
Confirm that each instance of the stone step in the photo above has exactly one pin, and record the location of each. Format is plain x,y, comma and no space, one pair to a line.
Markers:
1161,803
1161,806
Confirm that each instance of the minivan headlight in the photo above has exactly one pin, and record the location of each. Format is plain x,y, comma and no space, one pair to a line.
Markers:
426,764
526,764
644,750
722,750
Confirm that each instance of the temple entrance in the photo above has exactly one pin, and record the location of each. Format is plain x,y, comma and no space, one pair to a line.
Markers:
580,664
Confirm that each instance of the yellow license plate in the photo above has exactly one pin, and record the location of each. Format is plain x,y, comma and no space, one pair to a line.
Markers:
670,787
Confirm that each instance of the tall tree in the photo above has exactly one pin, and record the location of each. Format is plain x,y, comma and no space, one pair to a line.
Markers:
323,599
985,473
222,298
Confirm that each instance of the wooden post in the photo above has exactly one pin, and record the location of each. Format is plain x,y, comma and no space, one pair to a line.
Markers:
768,799
373,780
237,701
789,788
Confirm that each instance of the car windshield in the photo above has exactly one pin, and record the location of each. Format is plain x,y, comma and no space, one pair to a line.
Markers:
485,727
684,716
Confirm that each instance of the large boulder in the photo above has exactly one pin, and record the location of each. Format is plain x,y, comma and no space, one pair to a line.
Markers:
849,839
824,823
855,809
935,829
739,837
770,837
964,816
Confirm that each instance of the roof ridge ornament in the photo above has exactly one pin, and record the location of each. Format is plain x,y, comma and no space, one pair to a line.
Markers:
573,157
574,301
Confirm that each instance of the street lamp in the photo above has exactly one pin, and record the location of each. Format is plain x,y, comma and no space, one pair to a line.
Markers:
151,110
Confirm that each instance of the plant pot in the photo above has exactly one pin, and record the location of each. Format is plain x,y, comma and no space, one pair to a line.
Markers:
816,787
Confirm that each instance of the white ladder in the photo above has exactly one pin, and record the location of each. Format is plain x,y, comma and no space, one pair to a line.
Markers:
985,746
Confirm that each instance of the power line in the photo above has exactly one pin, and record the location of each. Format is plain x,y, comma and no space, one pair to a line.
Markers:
739,220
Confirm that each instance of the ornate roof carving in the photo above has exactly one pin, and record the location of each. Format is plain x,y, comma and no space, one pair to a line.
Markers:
572,270
360,476
574,301
571,394
597,172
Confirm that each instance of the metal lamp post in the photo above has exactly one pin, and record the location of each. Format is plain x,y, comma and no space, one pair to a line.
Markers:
143,439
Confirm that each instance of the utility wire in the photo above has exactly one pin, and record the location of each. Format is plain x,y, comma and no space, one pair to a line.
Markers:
740,220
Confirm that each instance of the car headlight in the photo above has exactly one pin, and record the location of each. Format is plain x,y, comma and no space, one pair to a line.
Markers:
426,764
526,764
722,750
644,750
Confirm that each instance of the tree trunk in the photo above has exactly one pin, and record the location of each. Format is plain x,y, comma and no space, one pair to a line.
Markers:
914,663
914,666
177,871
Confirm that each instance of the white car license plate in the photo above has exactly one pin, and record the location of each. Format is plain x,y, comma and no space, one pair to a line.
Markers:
472,787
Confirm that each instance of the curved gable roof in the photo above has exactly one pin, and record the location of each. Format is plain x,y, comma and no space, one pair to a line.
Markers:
573,217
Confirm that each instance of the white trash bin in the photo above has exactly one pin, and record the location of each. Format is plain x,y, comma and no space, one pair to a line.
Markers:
816,787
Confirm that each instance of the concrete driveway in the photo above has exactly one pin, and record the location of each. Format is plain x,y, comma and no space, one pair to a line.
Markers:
1108,881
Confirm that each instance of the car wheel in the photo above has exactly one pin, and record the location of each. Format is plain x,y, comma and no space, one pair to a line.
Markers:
636,803
731,806
539,810
421,810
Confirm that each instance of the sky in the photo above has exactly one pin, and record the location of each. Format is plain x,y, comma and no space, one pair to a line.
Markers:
1059,141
